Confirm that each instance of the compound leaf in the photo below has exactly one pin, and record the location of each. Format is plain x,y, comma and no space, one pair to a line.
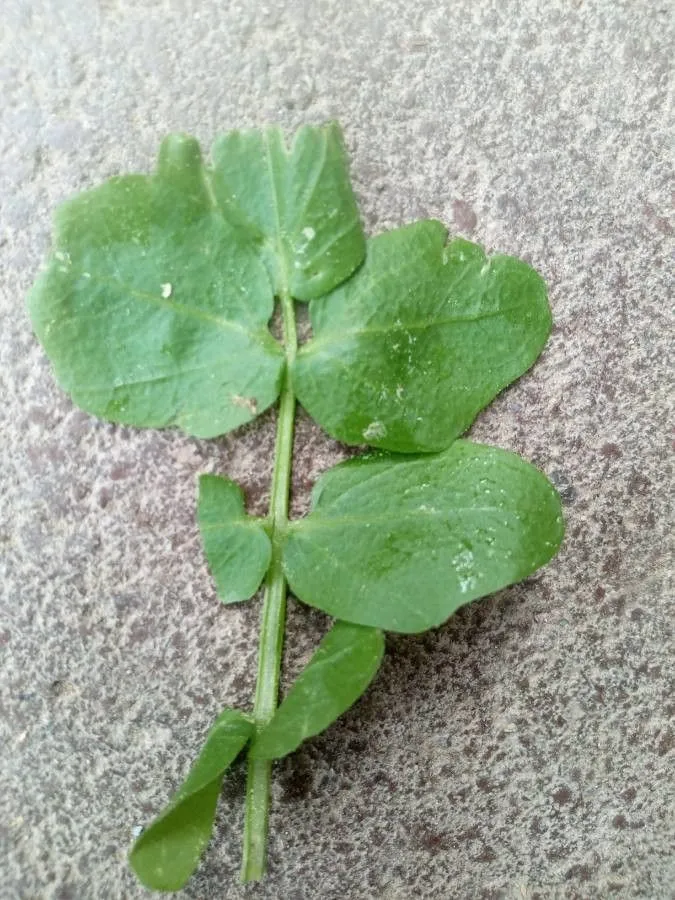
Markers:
335,677
297,203
155,303
419,340
236,545
167,852
401,543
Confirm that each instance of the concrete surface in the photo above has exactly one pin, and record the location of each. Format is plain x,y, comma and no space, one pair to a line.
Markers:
524,750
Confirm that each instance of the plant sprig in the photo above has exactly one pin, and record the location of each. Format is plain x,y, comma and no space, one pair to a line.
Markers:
154,309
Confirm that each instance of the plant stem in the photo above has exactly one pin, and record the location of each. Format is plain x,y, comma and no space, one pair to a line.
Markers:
273,617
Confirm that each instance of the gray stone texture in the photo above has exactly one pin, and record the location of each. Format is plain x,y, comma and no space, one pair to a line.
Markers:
523,750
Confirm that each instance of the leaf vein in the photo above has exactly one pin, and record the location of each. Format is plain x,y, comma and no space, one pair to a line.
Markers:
172,306
318,344
310,190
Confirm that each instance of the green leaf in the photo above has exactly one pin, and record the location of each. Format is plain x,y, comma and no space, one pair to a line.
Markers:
236,545
339,672
167,852
409,350
298,204
155,304
401,543
152,309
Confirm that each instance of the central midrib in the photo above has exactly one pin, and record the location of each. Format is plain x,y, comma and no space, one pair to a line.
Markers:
336,337
304,525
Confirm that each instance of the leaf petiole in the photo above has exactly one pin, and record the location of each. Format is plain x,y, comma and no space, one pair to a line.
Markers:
273,616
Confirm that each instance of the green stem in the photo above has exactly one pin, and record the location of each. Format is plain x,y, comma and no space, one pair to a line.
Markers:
273,618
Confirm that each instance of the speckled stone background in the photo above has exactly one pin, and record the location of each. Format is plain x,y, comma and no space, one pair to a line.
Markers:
525,749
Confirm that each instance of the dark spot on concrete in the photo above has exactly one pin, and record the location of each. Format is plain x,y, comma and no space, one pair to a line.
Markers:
582,872
120,471
649,519
487,854
660,223
343,848
37,453
537,826
492,893
557,852
599,592
562,796
615,606
143,520
138,634
612,563
471,834
431,841
598,692
638,484
81,491
240,682
67,892
381,777
509,206
463,216
257,493
620,822
653,673
60,688
564,486
611,451
296,779
666,744
38,416
178,641
629,794
199,699
357,745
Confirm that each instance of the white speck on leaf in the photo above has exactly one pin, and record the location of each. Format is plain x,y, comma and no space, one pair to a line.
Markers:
167,290
309,233
249,403
375,431
463,564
